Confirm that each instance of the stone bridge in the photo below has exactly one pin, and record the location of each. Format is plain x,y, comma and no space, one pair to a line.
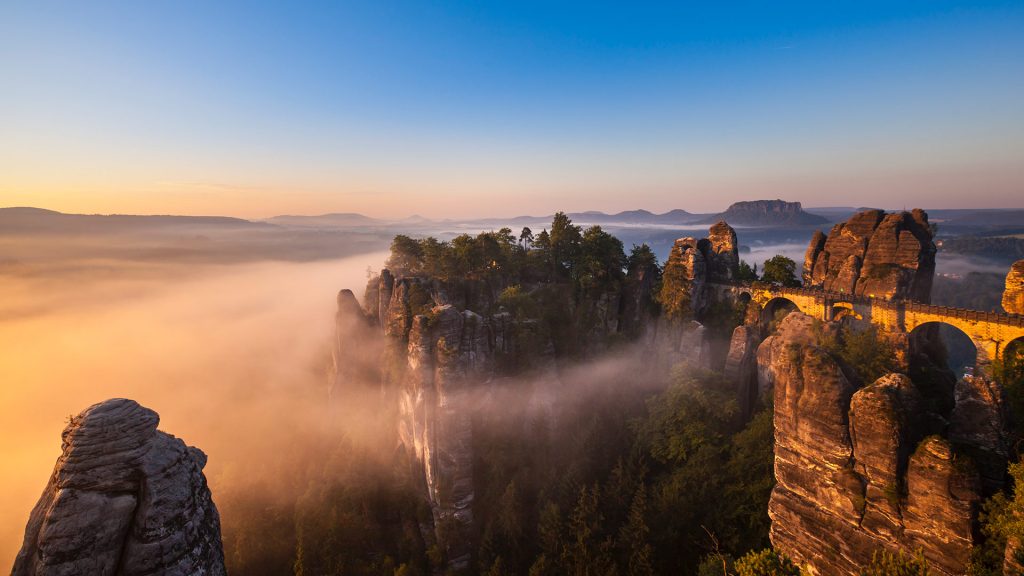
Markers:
990,332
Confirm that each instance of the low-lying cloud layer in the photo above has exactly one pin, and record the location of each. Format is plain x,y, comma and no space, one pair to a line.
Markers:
232,357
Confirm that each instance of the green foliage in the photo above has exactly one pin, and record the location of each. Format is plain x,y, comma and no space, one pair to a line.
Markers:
863,350
674,294
885,563
781,271
1008,370
747,274
1002,521
599,264
690,429
766,562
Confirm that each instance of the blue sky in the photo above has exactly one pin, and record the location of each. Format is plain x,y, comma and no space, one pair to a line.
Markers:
480,108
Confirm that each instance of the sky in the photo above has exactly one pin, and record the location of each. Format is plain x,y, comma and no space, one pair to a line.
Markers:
465,109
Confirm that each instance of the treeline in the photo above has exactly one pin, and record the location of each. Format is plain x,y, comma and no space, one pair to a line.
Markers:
591,258
1006,249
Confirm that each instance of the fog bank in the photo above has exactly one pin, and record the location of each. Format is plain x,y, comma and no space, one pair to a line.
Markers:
233,358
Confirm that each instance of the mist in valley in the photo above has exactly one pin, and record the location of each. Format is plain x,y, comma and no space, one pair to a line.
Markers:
232,357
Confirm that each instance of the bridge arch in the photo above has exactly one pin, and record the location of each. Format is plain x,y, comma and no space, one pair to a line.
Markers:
774,310
945,343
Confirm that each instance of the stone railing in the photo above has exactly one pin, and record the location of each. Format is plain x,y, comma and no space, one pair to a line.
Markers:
1016,320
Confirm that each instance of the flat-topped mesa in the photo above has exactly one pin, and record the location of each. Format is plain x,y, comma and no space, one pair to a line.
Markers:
124,499
1013,295
875,254
770,213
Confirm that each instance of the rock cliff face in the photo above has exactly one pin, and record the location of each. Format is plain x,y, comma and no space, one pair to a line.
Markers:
435,362
124,499
1013,296
770,213
853,473
874,254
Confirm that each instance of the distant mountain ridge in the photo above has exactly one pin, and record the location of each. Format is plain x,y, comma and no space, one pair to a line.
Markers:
336,219
26,219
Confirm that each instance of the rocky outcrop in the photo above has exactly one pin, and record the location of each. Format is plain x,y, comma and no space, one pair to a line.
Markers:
355,351
853,475
722,253
124,499
813,250
449,355
875,254
769,213
741,367
1013,295
979,423
941,505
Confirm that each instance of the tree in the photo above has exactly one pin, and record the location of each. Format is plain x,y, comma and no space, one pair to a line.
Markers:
767,562
526,237
633,537
746,274
674,295
1002,524
565,243
781,271
600,262
406,255
885,563
863,350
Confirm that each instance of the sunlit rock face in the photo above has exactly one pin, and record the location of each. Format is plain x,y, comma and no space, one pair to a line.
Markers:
722,253
1013,296
124,499
874,254
854,474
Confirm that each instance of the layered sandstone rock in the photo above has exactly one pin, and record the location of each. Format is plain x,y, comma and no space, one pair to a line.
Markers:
741,367
1013,296
853,475
875,254
884,433
941,505
979,422
722,253
124,499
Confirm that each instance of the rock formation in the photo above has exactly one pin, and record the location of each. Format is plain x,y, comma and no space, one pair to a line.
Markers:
874,254
853,473
1013,296
435,361
124,499
722,253
741,367
769,213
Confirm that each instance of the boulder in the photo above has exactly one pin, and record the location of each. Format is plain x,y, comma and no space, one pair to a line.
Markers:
124,499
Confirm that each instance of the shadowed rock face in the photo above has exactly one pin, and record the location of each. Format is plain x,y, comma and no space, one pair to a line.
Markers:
124,499
1013,296
853,474
874,254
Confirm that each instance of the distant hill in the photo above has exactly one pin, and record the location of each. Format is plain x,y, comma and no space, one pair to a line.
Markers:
672,217
767,213
34,220
988,218
335,220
